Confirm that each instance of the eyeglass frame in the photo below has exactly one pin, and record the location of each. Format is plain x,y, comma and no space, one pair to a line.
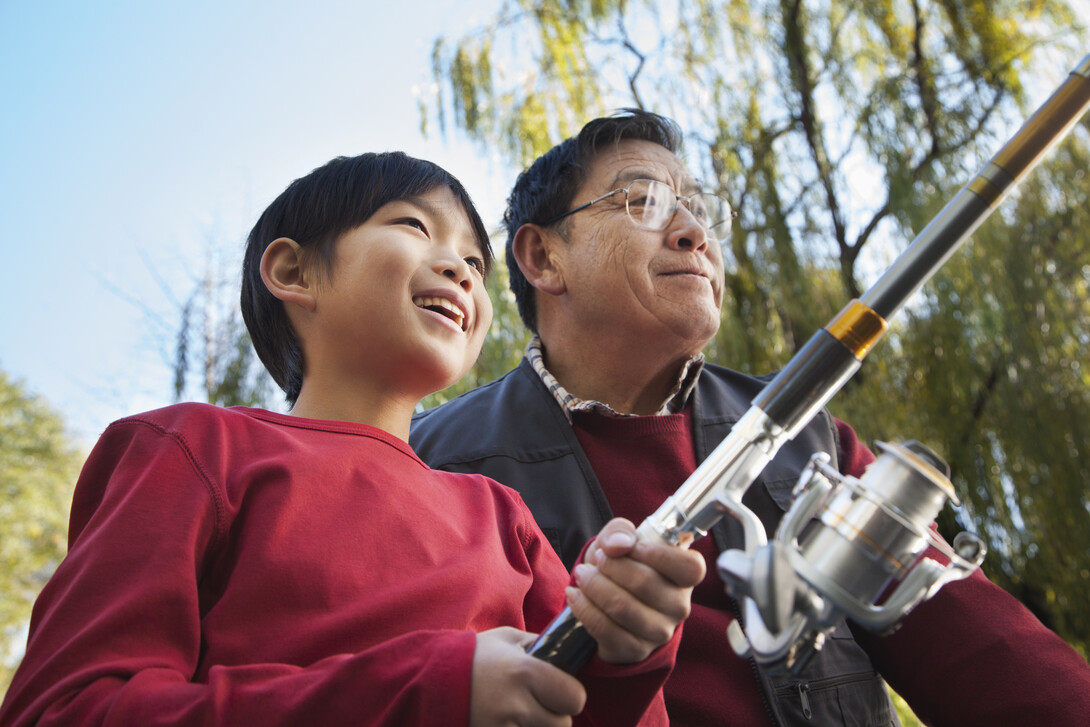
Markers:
678,198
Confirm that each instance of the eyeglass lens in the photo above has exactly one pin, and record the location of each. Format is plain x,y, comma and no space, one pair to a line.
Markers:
652,205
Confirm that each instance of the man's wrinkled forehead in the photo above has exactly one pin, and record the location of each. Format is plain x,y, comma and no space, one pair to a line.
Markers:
637,159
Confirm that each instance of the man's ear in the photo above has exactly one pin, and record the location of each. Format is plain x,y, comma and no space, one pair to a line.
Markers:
537,252
284,274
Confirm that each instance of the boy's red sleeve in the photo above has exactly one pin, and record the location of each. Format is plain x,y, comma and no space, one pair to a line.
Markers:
116,634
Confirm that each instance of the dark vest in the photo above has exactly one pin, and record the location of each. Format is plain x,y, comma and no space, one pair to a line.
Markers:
513,431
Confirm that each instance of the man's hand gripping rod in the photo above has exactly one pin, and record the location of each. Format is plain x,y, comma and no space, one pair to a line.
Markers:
814,375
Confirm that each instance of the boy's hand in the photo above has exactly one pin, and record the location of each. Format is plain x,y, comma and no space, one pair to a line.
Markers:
632,595
510,687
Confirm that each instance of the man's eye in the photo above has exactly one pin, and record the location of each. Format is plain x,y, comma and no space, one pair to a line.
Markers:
648,201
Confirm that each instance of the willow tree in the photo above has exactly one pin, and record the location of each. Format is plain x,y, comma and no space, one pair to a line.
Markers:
838,129
38,467
213,358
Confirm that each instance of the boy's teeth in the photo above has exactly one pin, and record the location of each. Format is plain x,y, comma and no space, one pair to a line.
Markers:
446,307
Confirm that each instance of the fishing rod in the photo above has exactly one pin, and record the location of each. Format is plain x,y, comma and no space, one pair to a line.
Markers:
872,531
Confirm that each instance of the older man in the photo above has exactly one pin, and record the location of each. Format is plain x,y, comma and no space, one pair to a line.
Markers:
615,263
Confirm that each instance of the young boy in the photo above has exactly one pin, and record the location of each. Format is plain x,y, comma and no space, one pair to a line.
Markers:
243,567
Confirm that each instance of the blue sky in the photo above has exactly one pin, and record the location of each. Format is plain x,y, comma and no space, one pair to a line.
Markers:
135,136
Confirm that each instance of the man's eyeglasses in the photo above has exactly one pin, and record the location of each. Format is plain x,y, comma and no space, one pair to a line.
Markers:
651,205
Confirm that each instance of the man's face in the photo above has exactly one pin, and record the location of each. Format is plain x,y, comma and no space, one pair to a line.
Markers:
662,288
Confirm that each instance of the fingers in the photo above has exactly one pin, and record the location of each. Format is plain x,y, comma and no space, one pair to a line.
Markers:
616,645
511,635
684,568
616,539
626,628
632,594
510,687
558,692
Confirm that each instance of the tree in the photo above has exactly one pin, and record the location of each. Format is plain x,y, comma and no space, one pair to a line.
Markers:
213,346
1009,329
837,128
38,469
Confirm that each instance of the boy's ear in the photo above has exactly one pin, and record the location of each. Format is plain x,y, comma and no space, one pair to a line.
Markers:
284,274
538,253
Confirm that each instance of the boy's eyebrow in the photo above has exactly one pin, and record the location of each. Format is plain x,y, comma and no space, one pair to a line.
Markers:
420,203
433,208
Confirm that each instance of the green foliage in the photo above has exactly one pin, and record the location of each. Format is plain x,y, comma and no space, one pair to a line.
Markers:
38,469
526,112
838,129
904,713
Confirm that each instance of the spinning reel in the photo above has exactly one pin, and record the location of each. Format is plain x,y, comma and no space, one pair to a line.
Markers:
856,548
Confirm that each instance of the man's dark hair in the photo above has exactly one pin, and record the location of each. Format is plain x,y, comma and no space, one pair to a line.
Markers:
315,211
546,189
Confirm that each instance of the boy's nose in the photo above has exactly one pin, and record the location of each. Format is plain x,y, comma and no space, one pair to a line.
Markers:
457,270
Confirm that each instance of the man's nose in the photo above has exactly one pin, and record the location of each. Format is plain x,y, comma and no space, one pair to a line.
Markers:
686,232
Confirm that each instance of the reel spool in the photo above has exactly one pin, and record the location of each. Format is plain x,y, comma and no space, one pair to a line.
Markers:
841,548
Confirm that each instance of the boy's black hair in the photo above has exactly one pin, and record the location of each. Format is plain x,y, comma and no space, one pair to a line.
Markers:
546,189
315,211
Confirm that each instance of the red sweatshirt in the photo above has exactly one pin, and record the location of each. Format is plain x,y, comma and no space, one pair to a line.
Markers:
240,567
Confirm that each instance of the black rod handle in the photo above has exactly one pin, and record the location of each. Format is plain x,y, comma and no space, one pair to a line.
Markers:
565,643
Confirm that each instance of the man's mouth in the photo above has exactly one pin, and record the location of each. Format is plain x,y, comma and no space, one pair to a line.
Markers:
699,273
442,306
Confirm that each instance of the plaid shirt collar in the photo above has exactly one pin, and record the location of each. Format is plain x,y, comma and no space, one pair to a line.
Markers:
569,403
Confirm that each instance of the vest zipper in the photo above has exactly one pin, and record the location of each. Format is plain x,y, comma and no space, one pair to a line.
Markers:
803,689
757,674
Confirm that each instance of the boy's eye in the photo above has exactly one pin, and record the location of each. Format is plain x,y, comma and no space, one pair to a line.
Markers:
476,263
413,222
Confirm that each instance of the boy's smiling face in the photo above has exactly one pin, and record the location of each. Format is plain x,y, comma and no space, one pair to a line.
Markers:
405,308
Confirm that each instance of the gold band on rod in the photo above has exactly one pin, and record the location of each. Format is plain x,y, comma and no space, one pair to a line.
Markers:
858,327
